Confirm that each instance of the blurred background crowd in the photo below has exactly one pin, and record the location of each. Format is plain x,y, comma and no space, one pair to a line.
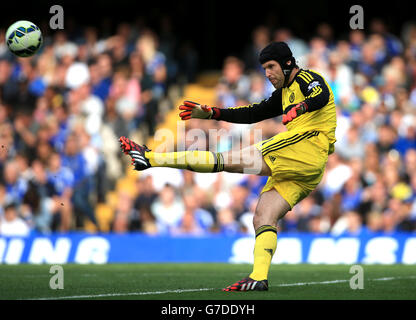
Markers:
62,111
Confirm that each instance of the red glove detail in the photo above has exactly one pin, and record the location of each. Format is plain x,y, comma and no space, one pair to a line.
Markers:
294,111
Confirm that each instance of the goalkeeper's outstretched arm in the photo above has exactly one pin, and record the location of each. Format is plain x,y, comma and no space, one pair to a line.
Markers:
251,113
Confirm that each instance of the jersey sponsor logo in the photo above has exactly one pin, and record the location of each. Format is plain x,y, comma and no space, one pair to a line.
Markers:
313,85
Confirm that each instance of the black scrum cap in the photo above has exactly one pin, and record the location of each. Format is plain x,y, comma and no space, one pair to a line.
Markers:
280,52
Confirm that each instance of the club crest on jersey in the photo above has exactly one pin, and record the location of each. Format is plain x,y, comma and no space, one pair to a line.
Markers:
292,97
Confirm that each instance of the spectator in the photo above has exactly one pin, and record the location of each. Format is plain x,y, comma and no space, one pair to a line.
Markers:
351,146
96,165
233,85
8,83
147,222
126,93
124,214
200,219
289,222
326,32
39,202
407,135
368,65
147,109
8,144
246,219
100,71
259,39
226,222
341,81
351,193
374,198
350,224
61,180
154,60
298,46
386,138
11,224
188,226
26,132
316,225
82,185
15,185
240,198
356,40
374,222
393,44
260,89
167,209
336,174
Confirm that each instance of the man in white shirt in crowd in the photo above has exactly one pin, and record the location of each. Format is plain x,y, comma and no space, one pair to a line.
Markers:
11,224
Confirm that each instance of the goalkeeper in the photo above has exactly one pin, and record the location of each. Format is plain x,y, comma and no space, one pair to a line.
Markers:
294,160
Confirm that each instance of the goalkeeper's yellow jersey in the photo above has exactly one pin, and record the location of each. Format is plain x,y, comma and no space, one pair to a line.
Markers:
308,86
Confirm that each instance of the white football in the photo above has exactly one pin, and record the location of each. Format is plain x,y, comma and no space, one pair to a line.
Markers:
23,38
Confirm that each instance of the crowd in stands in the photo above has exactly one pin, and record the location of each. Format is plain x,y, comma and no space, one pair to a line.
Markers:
61,114
62,111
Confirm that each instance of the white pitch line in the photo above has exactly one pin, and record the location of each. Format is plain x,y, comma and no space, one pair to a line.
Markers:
386,279
105,295
308,283
87,296
394,278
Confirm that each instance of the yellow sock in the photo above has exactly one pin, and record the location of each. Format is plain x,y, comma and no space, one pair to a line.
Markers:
200,161
264,249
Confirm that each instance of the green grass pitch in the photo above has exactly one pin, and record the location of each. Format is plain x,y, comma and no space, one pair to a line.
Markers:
204,282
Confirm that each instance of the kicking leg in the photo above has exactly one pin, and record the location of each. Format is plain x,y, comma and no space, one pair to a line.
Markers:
248,160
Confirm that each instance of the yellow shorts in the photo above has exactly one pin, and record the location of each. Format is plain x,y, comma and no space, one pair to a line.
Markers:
297,161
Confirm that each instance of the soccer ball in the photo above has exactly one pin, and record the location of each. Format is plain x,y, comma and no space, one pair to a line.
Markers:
24,38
